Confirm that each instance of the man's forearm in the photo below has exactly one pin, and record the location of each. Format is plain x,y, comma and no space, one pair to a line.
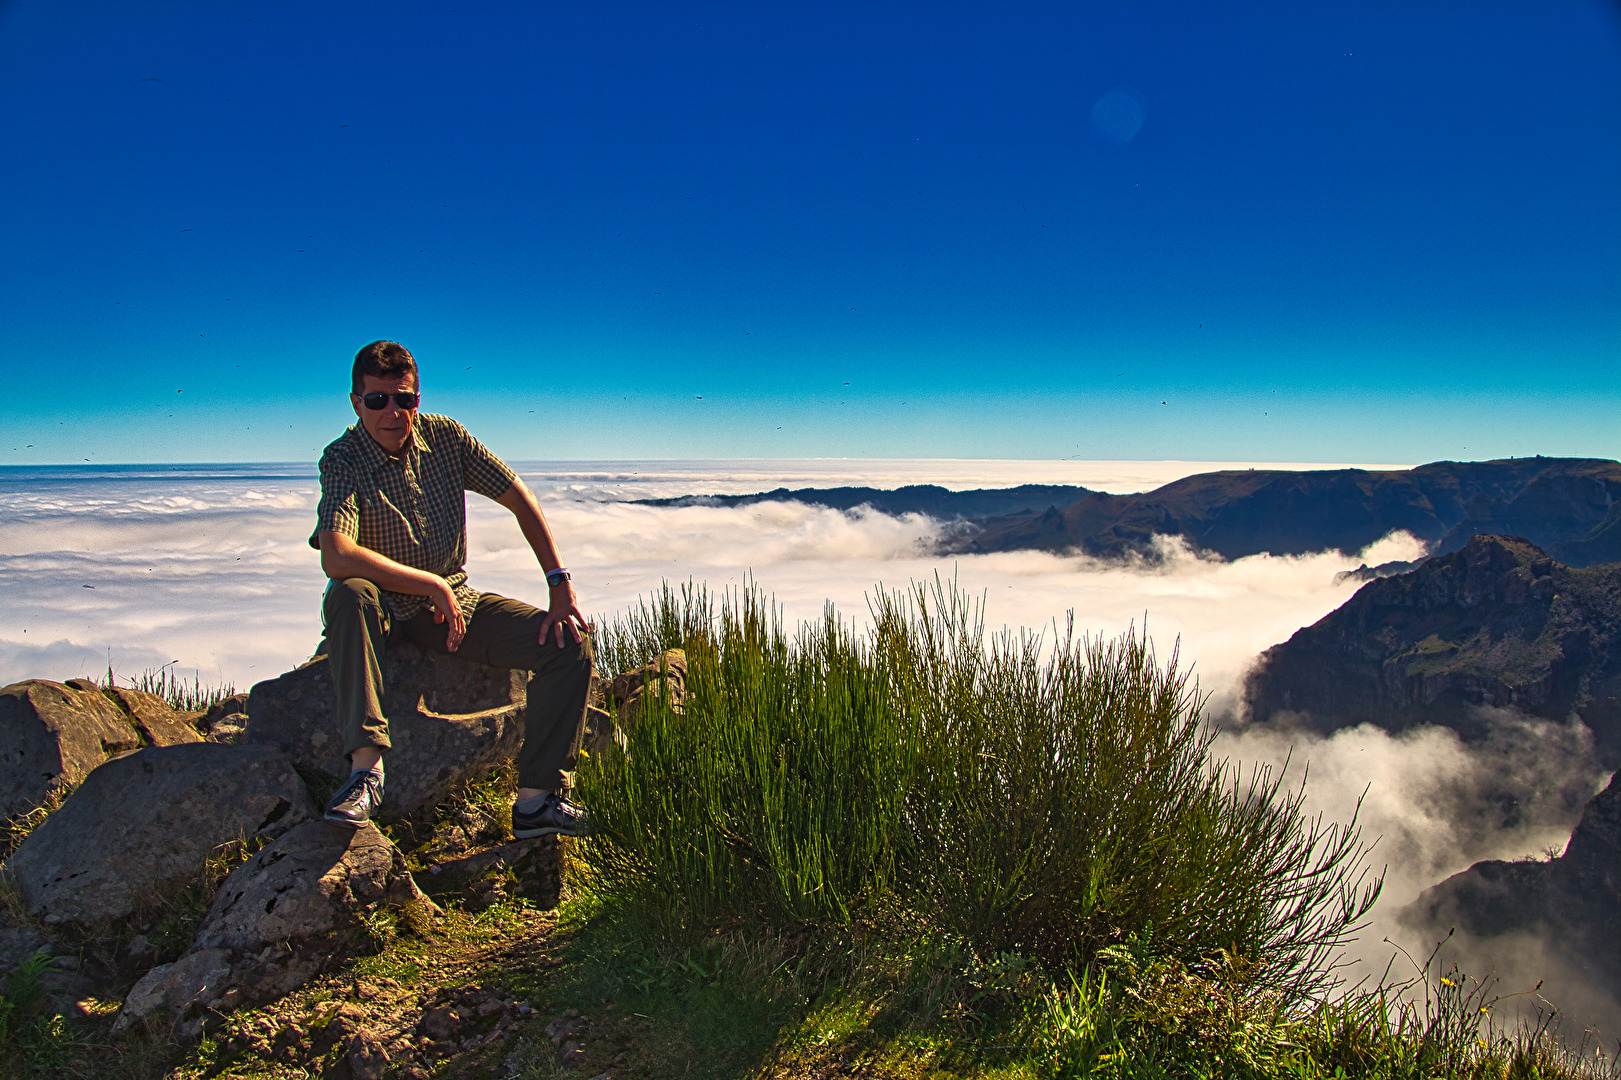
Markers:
343,558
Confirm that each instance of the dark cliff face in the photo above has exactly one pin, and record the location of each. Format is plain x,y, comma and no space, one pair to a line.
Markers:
1572,903
1571,506
1497,623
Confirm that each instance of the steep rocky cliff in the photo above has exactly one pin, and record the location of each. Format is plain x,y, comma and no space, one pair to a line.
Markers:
1570,906
1497,623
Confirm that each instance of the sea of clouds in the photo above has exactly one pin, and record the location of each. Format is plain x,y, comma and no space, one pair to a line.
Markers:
208,569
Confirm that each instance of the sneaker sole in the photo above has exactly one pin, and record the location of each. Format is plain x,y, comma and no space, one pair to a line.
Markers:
544,830
347,822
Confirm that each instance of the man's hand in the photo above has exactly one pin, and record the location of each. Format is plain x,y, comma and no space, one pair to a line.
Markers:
444,606
563,611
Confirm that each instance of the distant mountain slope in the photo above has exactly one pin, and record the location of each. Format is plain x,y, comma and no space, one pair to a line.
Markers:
1571,506
936,502
1497,623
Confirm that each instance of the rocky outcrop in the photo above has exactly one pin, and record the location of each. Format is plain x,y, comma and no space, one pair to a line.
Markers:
1499,623
292,911
666,675
617,704
226,720
150,818
532,869
1569,506
1570,905
158,723
51,736
450,720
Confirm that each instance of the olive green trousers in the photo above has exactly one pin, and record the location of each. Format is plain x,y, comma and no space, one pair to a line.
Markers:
502,633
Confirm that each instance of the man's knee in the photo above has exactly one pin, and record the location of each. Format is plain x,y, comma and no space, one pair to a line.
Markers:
347,595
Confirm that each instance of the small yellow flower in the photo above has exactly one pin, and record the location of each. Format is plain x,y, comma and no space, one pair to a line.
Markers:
1447,982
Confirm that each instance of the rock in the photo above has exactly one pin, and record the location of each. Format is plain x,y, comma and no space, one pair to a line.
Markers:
536,865
17,945
605,731
450,720
223,711
229,728
148,818
197,980
600,733
665,675
312,883
366,1057
292,911
158,723
51,737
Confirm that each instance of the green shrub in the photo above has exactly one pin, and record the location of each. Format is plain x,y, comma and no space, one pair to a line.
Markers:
1062,797
1031,797
774,793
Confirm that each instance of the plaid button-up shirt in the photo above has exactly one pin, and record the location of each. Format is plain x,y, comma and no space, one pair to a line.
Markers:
410,508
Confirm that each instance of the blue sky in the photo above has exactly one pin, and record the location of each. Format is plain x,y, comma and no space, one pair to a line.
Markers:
1307,232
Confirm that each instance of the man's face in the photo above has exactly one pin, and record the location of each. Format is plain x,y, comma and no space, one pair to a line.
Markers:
391,425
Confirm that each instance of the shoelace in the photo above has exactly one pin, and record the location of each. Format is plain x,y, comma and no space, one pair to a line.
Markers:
360,784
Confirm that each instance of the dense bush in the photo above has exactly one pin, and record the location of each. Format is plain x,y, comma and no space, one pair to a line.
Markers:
1047,798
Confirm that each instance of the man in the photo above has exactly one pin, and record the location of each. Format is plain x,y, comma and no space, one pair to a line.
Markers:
392,531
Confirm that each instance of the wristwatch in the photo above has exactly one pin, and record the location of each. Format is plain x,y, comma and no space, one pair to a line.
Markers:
554,578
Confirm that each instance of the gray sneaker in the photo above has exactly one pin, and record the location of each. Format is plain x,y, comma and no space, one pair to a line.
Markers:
555,815
357,800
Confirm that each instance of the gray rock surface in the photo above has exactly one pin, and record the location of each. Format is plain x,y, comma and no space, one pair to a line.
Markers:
226,720
51,737
158,723
17,944
615,705
666,675
290,912
450,720
532,869
148,818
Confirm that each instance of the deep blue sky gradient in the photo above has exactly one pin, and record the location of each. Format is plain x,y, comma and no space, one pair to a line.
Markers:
1344,231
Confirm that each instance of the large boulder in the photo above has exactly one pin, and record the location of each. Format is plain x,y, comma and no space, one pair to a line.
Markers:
450,720
295,909
51,736
149,818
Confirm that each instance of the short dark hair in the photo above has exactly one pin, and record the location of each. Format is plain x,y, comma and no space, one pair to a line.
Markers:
382,359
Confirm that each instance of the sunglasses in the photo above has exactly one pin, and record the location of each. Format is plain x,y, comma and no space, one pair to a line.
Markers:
375,400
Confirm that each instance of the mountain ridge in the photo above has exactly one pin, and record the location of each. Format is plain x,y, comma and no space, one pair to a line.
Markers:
1569,506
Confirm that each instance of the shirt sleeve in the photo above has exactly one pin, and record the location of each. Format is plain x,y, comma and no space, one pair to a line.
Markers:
482,471
339,508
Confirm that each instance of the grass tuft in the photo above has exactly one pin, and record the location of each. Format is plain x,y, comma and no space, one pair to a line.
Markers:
181,695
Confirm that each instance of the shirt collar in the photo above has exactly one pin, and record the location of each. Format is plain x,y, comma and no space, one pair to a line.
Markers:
375,457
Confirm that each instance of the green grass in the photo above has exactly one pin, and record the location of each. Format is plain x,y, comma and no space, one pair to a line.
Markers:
183,696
